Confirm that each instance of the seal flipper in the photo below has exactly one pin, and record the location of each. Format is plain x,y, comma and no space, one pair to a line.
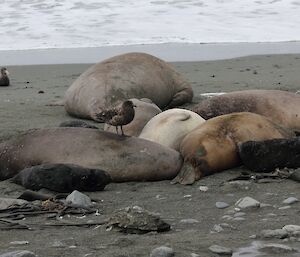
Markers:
180,98
187,175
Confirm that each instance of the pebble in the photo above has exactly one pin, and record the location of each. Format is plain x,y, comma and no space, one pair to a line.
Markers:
275,233
227,217
79,200
239,214
277,248
162,251
203,188
238,219
189,221
284,207
19,243
290,200
221,205
6,202
20,253
217,228
295,175
247,203
195,255
220,250
291,228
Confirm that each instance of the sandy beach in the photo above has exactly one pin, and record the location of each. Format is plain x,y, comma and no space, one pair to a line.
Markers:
26,104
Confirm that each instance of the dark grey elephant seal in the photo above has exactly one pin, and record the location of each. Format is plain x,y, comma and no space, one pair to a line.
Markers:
123,158
131,75
267,155
281,107
145,110
62,178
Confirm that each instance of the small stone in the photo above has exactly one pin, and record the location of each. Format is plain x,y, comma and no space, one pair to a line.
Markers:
238,219
203,188
247,203
189,221
291,228
79,200
162,251
19,243
227,217
276,233
220,250
284,207
290,200
187,196
253,236
195,255
239,214
20,253
217,228
41,92
221,205
7,202
277,248
296,174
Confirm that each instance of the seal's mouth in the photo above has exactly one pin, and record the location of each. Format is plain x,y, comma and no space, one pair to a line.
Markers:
6,72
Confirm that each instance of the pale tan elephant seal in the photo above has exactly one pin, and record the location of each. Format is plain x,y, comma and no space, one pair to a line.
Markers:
213,146
145,110
123,158
282,107
131,75
169,127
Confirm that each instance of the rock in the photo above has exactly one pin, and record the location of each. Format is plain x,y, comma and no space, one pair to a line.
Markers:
239,214
290,200
217,228
19,243
221,205
291,228
276,233
203,188
20,253
295,175
220,250
79,200
277,249
238,219
189,221
284,207
162,251
195,255
7,202
136,220
247,203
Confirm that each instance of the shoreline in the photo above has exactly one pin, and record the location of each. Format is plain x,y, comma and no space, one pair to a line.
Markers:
170,52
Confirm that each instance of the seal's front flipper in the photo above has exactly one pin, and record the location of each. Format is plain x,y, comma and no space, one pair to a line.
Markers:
187,175
181,97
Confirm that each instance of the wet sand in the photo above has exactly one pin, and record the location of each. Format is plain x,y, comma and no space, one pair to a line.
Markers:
25,105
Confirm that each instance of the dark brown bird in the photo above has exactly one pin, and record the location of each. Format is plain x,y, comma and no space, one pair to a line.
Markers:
117,116
4,80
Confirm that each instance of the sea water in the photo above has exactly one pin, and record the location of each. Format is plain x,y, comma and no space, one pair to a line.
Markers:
43,24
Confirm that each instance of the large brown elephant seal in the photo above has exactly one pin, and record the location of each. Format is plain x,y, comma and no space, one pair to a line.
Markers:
123,158
213,146
131,75
169,127
144,111
281,107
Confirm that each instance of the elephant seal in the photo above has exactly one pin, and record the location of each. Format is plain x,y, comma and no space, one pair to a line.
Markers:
77,124
212,147
281,107
123,158
4,79
131,75
169,127
145,110
267,155
62,178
